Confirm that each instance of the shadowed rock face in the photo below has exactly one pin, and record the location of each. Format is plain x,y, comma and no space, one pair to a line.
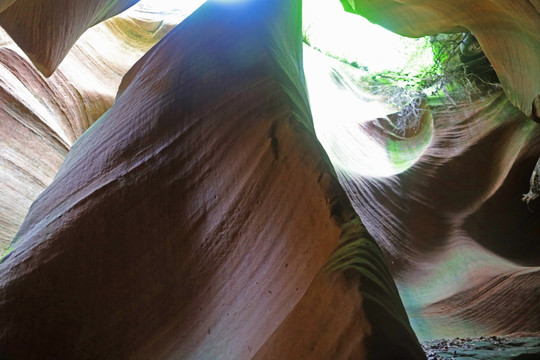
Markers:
200,217
46,30
197,217
453,224
41,118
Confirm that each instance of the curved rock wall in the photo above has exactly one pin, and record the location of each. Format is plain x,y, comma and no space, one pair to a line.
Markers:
455,220
453,224
46,30
197,216
204,190
42,117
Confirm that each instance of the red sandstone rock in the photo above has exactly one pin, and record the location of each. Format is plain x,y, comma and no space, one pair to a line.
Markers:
198,215
506,303
452,224
4,4
151,206
455,220
47,29
41,117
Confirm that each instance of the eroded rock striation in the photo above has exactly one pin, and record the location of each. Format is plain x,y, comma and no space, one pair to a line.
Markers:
454,223
200,217
46,30
461,244
42,117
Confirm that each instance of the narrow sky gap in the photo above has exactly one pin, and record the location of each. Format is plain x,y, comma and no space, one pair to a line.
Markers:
333,30
352,38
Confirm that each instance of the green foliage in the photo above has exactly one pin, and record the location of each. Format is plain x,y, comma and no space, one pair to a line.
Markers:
433,72
418,76
306,37
444,76
443,79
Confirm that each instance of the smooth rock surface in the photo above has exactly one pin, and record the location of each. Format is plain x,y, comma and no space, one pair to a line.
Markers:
4,4
47,29
461,244
198,215
41,118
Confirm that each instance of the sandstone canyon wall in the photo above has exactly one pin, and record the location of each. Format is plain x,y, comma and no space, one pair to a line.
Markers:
442,198
462,246
200,217
29,23
42,117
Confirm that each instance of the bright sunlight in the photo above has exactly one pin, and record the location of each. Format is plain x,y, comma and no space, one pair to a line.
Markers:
339,113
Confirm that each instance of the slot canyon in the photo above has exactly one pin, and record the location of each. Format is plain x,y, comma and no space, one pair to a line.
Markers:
207,185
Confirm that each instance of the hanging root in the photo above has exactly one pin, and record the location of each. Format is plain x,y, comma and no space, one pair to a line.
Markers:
534,192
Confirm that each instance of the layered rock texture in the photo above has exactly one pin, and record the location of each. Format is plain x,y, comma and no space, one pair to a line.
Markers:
41,118
461,244
200,216
46,30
